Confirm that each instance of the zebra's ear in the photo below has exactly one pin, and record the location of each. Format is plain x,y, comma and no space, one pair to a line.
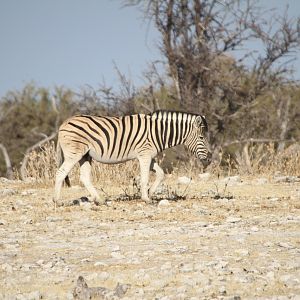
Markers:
198,122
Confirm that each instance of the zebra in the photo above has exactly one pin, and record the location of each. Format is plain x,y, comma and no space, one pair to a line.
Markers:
112,140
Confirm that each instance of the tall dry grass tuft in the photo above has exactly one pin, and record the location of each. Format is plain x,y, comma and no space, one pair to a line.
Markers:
42,167
263,160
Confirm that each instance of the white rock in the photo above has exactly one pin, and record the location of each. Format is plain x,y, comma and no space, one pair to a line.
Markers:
231,180
115,248
100,264
290,281
7,268
29,192
201,224
270,276
242,252
85,205
187,268
274,199
117,255
2,222
260,181
7,192
53,219
163,203
103,276
204,176
35,295
286,245
233,219
184,180
222,290
291,179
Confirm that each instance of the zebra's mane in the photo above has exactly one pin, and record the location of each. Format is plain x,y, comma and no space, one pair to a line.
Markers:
168,113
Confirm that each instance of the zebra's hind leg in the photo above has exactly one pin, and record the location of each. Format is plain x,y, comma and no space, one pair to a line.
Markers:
61,174
145,162
85,178
158,179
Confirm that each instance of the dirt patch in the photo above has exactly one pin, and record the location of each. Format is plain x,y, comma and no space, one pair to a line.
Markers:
244,244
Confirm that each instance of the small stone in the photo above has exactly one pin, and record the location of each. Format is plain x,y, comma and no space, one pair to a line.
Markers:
2,222
115,248
260,181
274,199
29,192
268,244
286,245
53,219
7,192
100,264
233,219
7,268
290,281
242,252
164,203
270,276
201,224
187,268
204,176
117,255
254,229
290,179
184,180
222,290
231,180
103,276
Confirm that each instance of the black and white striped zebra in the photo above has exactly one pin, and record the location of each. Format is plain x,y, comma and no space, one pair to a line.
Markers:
118,139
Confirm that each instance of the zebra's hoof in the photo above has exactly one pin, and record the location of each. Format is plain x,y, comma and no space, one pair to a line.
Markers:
147,200
57,203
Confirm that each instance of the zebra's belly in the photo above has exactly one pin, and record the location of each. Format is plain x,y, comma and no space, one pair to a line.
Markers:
110,160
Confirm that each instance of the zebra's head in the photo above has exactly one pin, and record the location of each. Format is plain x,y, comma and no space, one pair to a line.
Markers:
197,142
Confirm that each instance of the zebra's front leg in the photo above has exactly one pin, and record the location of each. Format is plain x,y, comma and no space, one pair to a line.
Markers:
145,162
159,173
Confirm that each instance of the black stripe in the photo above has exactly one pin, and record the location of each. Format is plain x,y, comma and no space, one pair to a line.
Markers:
76,141
158,134
181,128
177,129
166,131
137,131
115,134
90,135
171,135
122,134
145,130
129,134
88,125
102,128
75,132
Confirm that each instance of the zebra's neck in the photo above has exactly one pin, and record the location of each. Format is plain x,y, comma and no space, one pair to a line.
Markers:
171,128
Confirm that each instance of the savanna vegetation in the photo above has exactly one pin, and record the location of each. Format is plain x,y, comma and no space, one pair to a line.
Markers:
207,66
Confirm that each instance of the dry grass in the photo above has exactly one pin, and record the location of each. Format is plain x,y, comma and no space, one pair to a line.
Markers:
264,160
42,167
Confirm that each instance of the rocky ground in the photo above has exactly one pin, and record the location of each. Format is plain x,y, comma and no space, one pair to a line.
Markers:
229,239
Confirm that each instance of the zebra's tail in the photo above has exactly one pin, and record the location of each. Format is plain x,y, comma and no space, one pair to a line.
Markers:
60,160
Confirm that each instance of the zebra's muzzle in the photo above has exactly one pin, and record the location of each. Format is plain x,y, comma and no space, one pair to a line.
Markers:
206,161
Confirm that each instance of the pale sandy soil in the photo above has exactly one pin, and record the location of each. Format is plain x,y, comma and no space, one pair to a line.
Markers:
245,245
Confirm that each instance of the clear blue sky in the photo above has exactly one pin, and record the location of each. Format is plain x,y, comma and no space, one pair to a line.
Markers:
74,42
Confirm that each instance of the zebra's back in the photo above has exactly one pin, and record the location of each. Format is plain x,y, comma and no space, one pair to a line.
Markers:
107,139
